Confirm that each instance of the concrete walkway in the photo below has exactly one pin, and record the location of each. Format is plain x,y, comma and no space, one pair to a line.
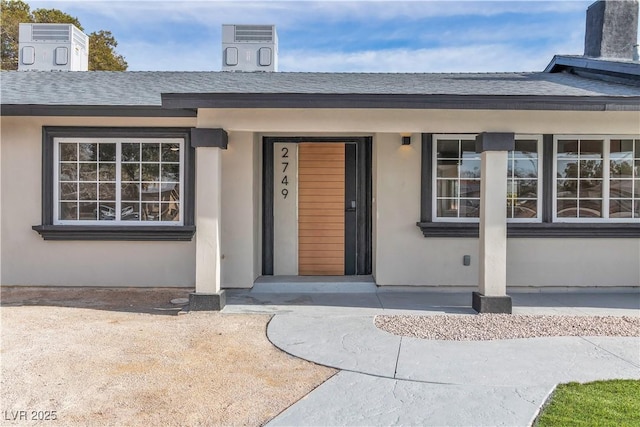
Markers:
389,380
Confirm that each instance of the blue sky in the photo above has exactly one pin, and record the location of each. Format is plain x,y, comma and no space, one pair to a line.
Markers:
354,36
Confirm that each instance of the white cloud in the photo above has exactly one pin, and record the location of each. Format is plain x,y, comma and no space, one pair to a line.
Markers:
477,58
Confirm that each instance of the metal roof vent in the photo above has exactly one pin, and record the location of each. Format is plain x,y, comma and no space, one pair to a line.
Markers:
53,47
249,48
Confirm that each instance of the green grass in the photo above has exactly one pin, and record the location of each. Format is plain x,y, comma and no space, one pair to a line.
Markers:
600,403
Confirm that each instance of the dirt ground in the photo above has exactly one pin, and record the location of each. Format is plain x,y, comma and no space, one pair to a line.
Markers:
124,357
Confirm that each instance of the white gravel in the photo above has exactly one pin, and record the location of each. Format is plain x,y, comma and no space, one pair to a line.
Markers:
485,327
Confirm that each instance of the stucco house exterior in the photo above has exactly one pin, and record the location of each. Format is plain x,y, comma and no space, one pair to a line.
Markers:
210,180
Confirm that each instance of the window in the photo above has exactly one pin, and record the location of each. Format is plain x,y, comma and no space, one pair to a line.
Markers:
596,179
131,181
117,184
457,181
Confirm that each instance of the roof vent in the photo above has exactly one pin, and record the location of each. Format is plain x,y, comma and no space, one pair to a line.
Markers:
53,47
249,48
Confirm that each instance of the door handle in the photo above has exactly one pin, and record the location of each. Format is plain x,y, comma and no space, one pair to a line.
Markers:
351,207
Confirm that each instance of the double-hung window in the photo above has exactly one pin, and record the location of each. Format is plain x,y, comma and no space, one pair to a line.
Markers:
457,170
117,184
596,179
128,181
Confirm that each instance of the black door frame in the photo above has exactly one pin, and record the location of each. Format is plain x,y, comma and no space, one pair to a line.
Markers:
363,199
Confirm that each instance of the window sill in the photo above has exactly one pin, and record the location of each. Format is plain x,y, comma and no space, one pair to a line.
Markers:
584,230
125,233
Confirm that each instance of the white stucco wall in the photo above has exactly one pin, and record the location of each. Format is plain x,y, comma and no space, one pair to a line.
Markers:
27,259
401,255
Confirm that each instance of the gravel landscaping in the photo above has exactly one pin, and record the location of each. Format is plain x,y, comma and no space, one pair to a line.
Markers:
485,327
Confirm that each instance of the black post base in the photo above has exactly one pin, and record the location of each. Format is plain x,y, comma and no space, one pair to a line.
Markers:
485,304
207,302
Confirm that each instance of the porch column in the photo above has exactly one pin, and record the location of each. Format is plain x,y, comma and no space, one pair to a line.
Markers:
492,287
209,144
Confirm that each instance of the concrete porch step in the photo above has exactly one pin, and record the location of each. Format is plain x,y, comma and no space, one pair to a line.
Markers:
314,284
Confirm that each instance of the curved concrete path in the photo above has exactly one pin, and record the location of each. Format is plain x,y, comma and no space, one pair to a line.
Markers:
390,380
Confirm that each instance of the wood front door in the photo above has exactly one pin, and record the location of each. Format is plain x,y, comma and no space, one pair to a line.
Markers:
321,209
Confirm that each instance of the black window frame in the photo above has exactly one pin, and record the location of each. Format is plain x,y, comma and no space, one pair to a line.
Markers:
49,231
546,228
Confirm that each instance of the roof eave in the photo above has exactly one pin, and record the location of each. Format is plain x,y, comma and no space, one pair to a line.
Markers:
399,101
94,110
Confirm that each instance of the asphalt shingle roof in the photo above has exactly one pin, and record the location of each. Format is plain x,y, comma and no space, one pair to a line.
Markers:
145,88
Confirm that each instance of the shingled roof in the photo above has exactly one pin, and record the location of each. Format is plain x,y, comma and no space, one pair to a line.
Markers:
163,89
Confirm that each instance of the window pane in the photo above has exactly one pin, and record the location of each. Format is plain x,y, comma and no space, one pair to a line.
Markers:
69,191
171,173
590,209
88,172
637,149
150,152
107,191
590,189
130,192
131,152
130,212
567,148
621,188
526,168
447,168
87,191
468,148
447,149
469,208
150,211
567,209
621,208
567,189
621,148
107,152
636,188
524,189
107,171
88,211
621,168
470,188
107,212
68,211
526,148
170,212
590,168
150,192
525,209
567,169
150,172
447,208
447,188
88,152
470,168
591,148
170,193
68,152
130,172
170,152
68,172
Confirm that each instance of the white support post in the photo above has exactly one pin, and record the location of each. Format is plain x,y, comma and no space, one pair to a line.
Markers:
493,224
492,296
208,295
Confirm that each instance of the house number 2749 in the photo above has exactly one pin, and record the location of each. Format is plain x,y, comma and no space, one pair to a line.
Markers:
285,165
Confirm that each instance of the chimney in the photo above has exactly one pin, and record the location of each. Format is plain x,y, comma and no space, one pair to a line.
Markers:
612,29
249,48
52,47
